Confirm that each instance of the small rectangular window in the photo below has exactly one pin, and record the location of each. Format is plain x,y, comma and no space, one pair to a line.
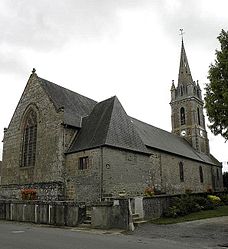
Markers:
83,163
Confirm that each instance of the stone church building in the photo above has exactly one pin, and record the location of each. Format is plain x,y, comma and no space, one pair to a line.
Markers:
65,146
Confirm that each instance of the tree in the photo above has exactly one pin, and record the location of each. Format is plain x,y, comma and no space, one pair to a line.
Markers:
216,98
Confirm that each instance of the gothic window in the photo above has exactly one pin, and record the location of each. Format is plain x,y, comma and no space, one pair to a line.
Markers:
182,115
181,171
181,90
198,115
201,173
217,174
83,163
29,139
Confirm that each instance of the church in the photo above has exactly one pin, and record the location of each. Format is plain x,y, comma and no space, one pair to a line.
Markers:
65,146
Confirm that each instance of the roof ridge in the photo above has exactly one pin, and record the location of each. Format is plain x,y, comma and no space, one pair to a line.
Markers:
95,127
104,113
111,113
133,142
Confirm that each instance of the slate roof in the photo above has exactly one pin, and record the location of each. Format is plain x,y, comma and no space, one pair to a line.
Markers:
108,124
75,105
162,140
185,76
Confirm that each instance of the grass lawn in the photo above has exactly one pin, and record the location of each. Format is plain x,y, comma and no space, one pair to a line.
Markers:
220,211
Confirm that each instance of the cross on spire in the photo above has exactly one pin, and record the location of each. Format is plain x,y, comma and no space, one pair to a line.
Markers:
182,33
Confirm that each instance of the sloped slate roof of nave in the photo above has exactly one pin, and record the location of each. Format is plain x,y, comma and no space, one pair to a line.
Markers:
75,105
108,124
162,140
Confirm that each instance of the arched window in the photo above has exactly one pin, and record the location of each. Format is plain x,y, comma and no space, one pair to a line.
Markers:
29,139
181,170
182,115
198,115
217,175
181,90
201,173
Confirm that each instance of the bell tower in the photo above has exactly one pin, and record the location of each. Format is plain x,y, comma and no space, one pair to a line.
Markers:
187,107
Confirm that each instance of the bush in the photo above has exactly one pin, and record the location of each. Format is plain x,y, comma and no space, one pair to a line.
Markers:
204,203
188,204
172,212
182,206
224,198
214,199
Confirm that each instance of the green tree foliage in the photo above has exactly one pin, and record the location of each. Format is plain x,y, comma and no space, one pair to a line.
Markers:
216,98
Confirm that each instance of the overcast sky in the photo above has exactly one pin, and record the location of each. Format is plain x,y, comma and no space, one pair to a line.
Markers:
101,48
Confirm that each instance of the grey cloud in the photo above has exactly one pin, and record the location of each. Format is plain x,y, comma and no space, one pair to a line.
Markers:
199,25
50,24
11,62
46,25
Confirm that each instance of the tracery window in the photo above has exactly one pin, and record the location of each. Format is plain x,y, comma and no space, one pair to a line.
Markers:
182,115
29,139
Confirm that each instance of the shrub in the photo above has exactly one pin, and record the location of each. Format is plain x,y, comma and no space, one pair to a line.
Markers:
172,212
224,198
204,203
214,199
182,206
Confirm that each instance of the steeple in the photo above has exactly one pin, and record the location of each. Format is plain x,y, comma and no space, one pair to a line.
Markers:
187,107
186,87
184,77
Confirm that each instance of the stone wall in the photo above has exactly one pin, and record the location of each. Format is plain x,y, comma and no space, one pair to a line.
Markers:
125,173
44,191
52,213
154,207
115,214
49,164
84,185
168,166
112,172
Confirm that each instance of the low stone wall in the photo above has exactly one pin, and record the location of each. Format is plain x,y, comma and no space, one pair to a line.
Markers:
52,213
47,191
154,207
114,214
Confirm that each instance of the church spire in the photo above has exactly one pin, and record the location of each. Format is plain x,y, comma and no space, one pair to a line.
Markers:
187,107
184,77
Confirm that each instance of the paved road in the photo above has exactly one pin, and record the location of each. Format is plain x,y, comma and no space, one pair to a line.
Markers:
207,233
29,236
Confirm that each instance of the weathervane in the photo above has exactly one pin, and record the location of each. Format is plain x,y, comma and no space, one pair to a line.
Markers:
182,33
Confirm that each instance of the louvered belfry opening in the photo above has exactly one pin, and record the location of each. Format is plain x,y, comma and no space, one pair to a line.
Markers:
29,139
